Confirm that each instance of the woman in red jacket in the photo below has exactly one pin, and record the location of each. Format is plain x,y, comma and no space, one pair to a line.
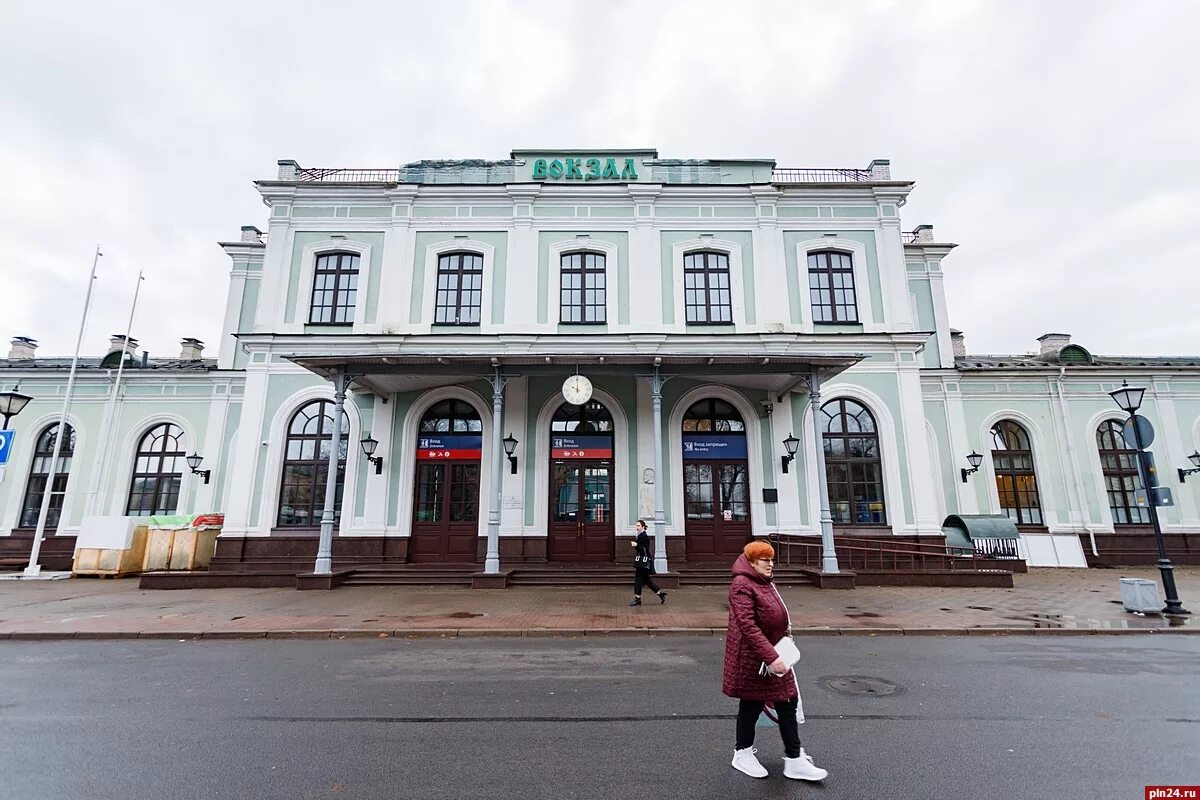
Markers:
754,673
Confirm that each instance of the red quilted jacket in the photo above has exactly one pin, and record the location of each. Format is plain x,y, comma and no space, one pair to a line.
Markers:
757,618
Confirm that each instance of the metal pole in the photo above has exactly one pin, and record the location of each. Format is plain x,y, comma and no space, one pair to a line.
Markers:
111,408
660,516
829,562
491,564
1174,606
34,568
324,565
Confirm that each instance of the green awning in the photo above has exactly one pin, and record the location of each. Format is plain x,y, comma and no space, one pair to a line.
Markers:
965,528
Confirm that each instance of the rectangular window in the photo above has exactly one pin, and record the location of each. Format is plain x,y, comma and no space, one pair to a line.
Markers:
459,296
831,288
583,289
707,293
335,289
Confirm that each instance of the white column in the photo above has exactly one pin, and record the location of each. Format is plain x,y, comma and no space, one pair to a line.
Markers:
829,562
660,516
645,263
324,565
893,278
214,435
492,563
788,508
960,447
916,441
243,463
378,486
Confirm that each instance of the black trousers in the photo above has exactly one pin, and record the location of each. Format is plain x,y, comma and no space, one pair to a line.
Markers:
789,729
642,577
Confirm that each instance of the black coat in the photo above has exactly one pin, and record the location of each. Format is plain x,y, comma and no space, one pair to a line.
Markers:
643,550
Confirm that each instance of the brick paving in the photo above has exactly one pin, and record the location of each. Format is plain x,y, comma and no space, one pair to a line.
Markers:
1045,601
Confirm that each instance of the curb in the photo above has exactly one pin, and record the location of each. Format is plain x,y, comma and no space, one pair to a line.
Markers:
463,633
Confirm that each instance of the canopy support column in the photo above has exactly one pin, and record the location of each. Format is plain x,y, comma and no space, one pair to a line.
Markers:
660,517
829,562
491,564
324,565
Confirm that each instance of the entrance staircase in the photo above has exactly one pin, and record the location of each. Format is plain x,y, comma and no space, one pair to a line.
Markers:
566,575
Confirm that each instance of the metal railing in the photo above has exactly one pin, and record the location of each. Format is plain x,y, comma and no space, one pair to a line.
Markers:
337,175
870,555
996,548
909,237
821,175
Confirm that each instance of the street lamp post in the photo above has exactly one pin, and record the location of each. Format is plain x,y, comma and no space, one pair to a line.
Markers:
1129,398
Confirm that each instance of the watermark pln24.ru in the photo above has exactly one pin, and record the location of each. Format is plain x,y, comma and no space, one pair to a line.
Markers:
1172,793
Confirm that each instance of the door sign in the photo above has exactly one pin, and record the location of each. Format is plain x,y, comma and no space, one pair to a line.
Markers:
449,445
714,446
581,446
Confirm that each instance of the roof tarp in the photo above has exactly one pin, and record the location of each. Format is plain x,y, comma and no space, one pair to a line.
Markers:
978,526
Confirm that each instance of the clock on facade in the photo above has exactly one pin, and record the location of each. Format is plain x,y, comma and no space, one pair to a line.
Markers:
577,390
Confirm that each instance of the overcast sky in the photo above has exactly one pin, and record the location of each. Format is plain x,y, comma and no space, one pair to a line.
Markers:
1057,143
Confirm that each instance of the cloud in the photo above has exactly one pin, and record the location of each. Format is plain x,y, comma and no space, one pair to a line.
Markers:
1052,141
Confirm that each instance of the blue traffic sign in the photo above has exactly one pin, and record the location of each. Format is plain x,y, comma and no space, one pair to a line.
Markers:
6,445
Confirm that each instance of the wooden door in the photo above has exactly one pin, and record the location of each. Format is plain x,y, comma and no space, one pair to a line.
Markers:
445,513
581,512
716,509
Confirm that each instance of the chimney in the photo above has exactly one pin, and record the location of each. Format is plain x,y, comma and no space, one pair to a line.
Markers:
192,350
1051,343
117,342
923,234
287,169
251,234
958,342
880,169
23,348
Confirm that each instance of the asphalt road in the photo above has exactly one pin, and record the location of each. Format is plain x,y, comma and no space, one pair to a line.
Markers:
1003,717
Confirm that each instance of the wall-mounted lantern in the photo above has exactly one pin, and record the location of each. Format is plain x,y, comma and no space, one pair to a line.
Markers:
974,460
510,447
193,461
790,444
368,446
1195,459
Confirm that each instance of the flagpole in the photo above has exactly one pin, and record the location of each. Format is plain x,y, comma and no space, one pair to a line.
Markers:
110,409
34,567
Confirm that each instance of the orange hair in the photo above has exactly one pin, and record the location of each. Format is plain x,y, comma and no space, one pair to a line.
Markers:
756,550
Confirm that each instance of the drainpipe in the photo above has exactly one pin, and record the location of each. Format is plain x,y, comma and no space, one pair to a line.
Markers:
1075,473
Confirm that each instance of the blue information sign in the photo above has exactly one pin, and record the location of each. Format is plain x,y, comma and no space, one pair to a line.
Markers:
449,445
714,446
6,444
572,446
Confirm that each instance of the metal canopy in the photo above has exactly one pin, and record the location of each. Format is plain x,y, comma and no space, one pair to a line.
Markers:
414,371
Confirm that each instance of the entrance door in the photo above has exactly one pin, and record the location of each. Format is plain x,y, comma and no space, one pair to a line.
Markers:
717,507
581,511
445,512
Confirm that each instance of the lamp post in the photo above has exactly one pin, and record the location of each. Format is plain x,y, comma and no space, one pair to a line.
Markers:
11,404
1129,399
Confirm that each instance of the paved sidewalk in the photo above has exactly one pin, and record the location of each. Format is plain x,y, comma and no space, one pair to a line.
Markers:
1043,601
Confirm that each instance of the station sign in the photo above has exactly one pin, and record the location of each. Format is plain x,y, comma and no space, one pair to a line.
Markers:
568,446
710,446
439,446
584,169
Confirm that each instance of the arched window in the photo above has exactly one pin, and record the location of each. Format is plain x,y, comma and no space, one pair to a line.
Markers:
713,416
157,472
583,293
706,294
831,287
459,289
451,416
1119,463
39,471
853,468
590,418
1016,482
306,463
335,289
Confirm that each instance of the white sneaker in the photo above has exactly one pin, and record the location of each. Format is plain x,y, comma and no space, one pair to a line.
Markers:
802,768
745,761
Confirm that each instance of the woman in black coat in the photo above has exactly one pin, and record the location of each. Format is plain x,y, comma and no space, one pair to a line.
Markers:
643,567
